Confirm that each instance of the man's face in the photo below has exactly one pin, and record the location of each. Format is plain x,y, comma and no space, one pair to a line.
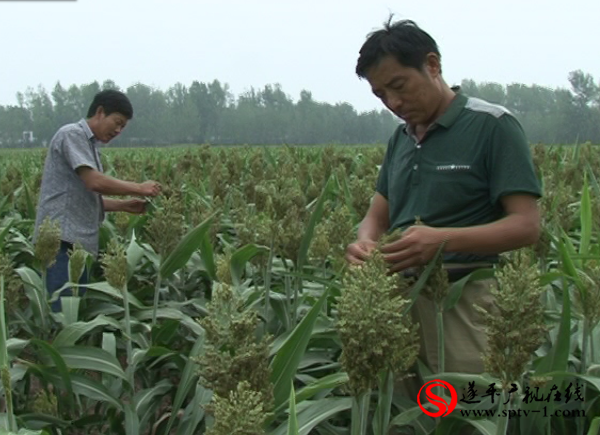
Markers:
109,127
410,94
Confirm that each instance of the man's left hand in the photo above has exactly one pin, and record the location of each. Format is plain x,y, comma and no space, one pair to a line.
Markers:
135,206
417,247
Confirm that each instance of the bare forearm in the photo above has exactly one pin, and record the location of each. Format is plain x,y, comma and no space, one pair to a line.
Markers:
107,185
112,204
372,228
512,232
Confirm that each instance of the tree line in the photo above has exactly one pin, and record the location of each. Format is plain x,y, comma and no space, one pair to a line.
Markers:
209,113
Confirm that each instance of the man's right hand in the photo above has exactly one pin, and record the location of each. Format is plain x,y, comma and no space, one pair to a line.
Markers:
150,188
357,252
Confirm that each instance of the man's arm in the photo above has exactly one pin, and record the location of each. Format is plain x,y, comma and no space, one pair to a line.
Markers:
98,182
372,227
79,155
112,204
520,228
135,206
419,243
376,221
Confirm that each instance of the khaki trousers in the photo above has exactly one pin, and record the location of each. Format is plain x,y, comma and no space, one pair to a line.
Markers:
465,339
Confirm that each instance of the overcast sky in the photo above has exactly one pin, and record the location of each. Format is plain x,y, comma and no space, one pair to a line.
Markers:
301,44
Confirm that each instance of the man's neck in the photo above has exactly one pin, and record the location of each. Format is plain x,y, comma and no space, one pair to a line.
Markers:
445,102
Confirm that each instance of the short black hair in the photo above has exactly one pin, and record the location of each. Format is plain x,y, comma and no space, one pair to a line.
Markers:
405,40
111,101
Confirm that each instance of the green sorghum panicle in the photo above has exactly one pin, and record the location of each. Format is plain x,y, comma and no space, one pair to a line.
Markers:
233,353
77,259
48,243
114,264
241,412
515,325
375,334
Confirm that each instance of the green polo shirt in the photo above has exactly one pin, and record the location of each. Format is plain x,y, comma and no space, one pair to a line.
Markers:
475,154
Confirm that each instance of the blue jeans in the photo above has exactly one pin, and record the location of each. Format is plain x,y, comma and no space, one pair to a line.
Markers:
58,275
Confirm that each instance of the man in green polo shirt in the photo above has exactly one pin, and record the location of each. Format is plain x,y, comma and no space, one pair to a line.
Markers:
460,164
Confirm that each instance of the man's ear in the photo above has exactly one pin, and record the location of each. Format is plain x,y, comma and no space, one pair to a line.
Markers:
433,65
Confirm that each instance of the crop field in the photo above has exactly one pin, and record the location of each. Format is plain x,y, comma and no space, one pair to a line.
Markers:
228,308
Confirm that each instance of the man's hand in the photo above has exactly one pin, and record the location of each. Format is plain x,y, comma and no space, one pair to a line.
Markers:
150,188
417,247
357,252
134,206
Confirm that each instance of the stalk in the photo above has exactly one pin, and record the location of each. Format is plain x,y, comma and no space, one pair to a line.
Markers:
325,308
128,339
288,295
583,366
502,425
4,363
156,297
384,406
296,299
268,282
44,296
584,347
439,320
360,413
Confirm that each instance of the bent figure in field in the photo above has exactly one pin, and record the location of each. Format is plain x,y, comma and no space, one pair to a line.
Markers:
73,184
463,166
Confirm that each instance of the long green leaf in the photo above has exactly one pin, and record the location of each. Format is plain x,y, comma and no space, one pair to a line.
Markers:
585,213
61,367
134,254
591,380
406,417
144,398
293,418
194,412
594,427
208,257
185,248
4,232
418,286
23,432
325,383
555,361
4,202
73,332
485,427
132,420
187,381
90,388
33,290
381,420
91,358
106,289
4,361
14,346
315,217
315,412
558,357
174,314
240,258
286,361
567,252
343,182
456,288
29,203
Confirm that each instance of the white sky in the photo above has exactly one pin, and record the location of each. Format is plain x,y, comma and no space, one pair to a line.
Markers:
301,44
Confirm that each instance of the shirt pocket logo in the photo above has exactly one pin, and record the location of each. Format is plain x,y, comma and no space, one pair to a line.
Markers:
453,168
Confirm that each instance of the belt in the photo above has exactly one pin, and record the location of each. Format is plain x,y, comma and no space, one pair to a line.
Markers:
455,271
